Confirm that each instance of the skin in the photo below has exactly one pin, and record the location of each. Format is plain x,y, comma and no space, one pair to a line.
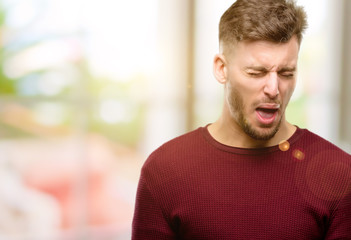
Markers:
257,75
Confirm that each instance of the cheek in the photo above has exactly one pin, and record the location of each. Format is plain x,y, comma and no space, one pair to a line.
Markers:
288,91
248,92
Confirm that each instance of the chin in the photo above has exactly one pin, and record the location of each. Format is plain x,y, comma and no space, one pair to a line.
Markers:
262,133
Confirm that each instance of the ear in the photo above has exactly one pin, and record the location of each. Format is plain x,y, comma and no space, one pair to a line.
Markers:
220,68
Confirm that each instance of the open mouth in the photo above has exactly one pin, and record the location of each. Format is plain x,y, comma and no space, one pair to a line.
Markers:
267,115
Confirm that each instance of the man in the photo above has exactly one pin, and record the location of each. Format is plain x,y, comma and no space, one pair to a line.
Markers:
250,174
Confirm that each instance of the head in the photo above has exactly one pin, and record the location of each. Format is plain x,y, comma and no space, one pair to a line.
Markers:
257,63
269,20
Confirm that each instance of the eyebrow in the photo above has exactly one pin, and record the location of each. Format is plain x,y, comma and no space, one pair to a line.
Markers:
263,69
287,69
256,68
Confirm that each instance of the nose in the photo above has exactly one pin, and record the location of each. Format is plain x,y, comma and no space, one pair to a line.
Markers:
271,88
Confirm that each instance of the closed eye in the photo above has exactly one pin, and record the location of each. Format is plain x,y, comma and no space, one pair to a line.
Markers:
256,74
287,74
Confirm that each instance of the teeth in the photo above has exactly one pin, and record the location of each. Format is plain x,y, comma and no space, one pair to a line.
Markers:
269,106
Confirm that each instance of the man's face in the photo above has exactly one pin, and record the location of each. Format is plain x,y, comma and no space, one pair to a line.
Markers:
260,79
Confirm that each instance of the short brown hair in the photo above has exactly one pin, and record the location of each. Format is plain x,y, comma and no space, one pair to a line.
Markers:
270,20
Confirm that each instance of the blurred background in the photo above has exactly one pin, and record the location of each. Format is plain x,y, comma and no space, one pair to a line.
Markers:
88,89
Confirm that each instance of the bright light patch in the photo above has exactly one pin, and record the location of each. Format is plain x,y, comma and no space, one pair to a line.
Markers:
49,114
284,146
40,57
299,155
112,111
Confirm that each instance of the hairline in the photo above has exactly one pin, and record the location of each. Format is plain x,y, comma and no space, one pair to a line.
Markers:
223,45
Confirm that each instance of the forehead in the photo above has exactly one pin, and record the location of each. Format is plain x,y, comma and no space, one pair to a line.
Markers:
263,53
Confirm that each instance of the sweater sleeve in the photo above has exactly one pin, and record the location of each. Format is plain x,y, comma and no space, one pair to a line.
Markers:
149,222
340,223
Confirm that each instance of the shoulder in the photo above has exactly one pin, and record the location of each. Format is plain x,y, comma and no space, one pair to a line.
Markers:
324,171
326,168
319,145
181,143
176,152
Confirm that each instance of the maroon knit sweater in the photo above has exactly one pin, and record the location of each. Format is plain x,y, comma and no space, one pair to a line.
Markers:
194,187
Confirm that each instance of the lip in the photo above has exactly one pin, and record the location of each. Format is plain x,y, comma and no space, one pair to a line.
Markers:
272,106
267,113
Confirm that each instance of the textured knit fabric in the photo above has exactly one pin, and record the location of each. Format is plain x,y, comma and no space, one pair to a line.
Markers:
194,187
